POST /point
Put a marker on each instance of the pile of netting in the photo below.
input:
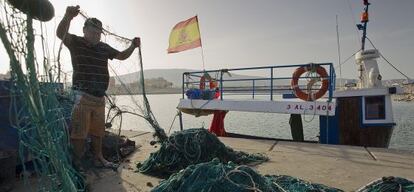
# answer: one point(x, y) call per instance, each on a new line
point(289, 183)
point(116, 147)
point(192, 146)
point(215, 176)
point(389, 184)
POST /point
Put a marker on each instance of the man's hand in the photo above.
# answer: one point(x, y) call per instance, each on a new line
point(63, 27)
point(72, 11)
point(136, 42)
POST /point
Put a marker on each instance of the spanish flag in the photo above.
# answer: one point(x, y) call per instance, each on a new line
point(185, 35)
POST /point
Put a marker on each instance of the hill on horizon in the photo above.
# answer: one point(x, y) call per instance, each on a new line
point(171, 75)
point(174, 76)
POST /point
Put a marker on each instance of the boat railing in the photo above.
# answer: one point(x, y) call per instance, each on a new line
point(275, 81)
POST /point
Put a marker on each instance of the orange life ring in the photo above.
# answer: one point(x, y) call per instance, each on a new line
point(313, 96)
point(212, 83)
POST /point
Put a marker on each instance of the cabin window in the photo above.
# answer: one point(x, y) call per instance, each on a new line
point(374, 107)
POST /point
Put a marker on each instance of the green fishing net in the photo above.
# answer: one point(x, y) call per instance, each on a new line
point(192, 146)
point(38, 115)
point(289, 183)
point(389, 184)
point(215, 176)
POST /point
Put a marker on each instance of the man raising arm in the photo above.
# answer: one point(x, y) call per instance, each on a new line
point(90, 80)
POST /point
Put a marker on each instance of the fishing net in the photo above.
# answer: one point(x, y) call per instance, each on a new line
point(39, 117)
point(389, 184)
point(216, 176)
point(41, 106)
point(192, 146)
point(116, 148)
point(289, 183)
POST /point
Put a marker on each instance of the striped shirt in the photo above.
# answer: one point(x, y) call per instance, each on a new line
point(90, 65)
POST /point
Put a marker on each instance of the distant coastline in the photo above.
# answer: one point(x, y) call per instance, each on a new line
point(152, 91)
point(407, 97)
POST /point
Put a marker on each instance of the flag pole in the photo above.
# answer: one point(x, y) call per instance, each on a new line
point(202, 57)
point(339, 53)
point(201, 44)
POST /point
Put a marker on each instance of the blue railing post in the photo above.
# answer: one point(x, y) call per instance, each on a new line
point(331, 82)
point(221, 84)
point(271, 83)
point(183, 82)
point(253, 87)
point(180, 115)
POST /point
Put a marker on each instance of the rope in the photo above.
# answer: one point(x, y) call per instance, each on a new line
point(347, 59)
point(172, 123)
point(382, 56)
point(313, 79)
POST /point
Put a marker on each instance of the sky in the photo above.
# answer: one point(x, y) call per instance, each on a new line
point(248, 33)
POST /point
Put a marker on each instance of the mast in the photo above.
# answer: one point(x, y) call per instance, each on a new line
point(369, 76)
point(364, 21)
point(339, 52)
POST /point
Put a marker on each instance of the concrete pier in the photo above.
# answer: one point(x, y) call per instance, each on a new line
point(344, 167)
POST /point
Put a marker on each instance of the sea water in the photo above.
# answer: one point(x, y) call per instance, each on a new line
point(272, 125)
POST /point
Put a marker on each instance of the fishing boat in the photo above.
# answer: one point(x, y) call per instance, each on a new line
point(359, 115)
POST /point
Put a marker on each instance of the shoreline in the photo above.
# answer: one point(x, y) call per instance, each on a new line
point(151, 91)
point(406, 97)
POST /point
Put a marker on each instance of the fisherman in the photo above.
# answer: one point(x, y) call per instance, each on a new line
point(90, 81)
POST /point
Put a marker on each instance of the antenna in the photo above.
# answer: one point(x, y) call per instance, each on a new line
point(339, 52)
point(364, 20)
point(363, 26)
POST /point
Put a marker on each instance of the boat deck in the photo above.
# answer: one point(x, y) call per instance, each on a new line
point(344, 167)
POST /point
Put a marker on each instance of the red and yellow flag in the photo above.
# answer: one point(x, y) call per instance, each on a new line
point(185, 35)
